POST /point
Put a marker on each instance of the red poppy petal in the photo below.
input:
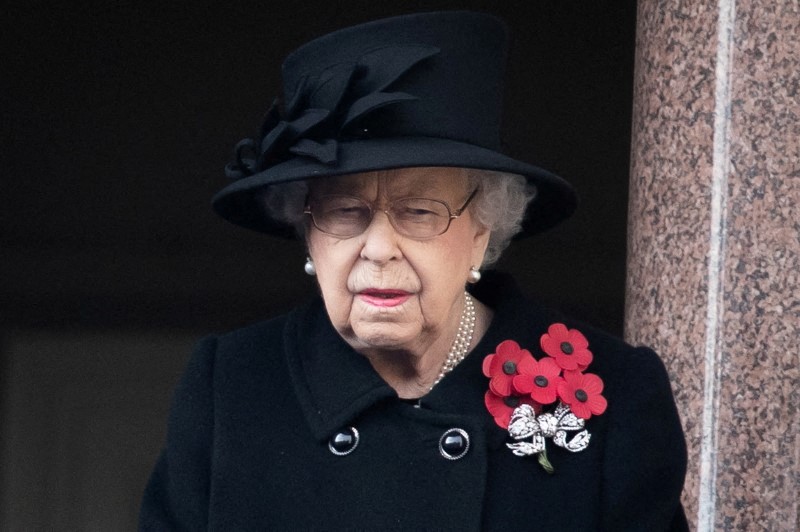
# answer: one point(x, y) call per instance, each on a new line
point(549, 367)
point(592, 384)
point(566, 392)
point(501, 385)
point(524, 354)
point(488, 399)
point(577, 339)
point(538, 395)
point(580, 378)
point(487, 365)
point(583, 356)
point(523, 383)
point(494, 403)
point(544, 396)
point(550, 345)
point(507, 348)
point(527, 366)
point(559, 332)
point(567, 362)
point(581, 410)
point(503, 420)
point(597, 404)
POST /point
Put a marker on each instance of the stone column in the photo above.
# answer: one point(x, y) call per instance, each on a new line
point(714, 246)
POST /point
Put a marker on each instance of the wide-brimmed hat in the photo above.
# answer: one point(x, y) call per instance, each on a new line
point(414, 90)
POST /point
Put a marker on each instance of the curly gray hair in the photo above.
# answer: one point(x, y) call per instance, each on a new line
point(499, 206)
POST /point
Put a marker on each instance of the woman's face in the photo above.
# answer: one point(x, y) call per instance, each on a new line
point(385, 291)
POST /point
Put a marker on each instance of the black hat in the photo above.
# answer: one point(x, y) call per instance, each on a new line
point(414, 90)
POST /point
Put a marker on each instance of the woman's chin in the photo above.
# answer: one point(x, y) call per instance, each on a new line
point(385, 336)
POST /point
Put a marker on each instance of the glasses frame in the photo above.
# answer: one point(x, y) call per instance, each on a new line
point(452, 215)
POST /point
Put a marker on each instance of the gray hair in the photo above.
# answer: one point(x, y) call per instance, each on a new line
point(499, 206)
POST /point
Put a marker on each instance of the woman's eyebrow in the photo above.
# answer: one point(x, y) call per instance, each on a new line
point(349, 187)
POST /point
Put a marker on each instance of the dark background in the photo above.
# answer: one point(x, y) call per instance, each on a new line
point(117, 119)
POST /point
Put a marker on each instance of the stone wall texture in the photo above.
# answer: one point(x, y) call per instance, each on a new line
point(714, 246)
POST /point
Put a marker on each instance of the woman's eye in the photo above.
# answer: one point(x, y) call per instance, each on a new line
point(343, 208)
point(419, 212)
point(415, 215)
point(348, 212)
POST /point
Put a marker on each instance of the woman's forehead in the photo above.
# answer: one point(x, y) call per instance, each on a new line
point(425, 181)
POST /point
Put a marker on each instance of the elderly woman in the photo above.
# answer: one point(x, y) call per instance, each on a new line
point(416, 392)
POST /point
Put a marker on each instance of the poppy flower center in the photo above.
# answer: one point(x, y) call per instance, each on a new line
point(511, 401)
point(581, 396)
point(540, 381)
point(509, 368)
point(566, 348)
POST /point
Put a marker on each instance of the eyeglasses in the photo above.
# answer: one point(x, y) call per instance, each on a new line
point(349, 216)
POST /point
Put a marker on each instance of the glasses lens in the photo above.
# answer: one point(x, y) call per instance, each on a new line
point(420, 217)
point(341, 215)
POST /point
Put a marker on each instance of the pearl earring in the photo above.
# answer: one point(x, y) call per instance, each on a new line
point(474, 275)
point(309, 267)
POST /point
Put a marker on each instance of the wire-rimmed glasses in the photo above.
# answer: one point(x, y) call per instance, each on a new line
point(348, 216)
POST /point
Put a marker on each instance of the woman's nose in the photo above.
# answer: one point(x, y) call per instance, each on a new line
point(380, 240)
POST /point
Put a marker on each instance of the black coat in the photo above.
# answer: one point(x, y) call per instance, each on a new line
point(247, 446)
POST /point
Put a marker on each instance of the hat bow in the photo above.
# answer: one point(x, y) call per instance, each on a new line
point(327, 107)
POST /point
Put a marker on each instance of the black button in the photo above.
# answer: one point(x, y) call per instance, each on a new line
point(344, 442)
point(454, 444)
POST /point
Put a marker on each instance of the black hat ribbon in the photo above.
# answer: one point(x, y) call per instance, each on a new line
point(326, 107)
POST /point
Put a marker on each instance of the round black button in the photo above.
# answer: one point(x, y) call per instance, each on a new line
point(344, 442)
point(454, 444)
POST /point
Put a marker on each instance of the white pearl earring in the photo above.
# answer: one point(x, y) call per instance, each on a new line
point(474, 275)
point(309, 267)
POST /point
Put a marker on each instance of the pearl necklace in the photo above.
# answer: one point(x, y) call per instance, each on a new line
point(462, 341)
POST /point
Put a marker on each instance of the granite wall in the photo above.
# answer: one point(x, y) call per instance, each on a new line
point(714, 246)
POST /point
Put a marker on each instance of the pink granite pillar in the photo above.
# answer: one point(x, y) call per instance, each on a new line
point(714, 246)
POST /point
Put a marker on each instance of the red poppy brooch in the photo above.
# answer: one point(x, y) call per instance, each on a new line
point(545, 398)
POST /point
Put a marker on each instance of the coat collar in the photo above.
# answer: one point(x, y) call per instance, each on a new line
point(334, 384)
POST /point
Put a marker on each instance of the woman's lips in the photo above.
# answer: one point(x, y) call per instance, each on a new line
point(383, 298)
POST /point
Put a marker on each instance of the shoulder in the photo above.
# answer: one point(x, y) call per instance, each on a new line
point(635, 380)
point(629, 372)
point(222, 359)
point(218, 357)
point(613, 353)
point(306, 313)
point(644, 447)
point(526, 320)
point(243, 372)
point(253, 334)
point(265, 335)
point(637, 440)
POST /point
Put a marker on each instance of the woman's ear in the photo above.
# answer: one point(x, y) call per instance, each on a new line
point(480, 241)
